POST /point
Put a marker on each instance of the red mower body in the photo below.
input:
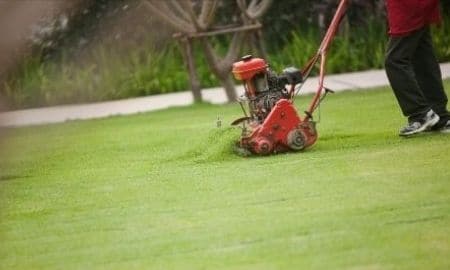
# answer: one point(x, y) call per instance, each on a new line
point(281, 131)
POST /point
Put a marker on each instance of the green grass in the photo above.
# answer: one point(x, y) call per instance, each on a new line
point(162, 190)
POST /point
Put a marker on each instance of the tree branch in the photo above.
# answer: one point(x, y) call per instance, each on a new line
point(233, 51)
point(257, 9)
point(180, 9)
point(160, 9)
point(187, 4)
point(242, 4)
point(211, 56)
point(253, 4)
point(207, 13)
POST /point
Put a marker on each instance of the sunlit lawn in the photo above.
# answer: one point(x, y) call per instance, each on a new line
point(163, 190)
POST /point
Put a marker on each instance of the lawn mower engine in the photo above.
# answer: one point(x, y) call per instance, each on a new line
point(272, 124)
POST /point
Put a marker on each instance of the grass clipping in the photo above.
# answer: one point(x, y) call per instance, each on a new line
point(217, 146)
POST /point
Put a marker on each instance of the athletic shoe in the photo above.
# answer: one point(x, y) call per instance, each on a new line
point(430, 119)
point(445, 128)
point(442, 126)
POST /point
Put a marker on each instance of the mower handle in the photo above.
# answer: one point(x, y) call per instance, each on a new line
point(322, 55)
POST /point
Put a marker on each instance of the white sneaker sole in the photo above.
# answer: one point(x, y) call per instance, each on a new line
point(433, 121)
point(445, 130)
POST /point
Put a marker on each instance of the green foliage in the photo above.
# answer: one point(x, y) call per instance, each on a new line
point(441, 39)
point(163, 190)
point(353, 49)
point(300, 48)
point(116, 73)
point(109, 74)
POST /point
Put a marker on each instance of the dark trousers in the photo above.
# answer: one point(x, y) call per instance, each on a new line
point(415, 75)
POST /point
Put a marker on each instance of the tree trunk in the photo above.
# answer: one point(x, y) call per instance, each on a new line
point(221, 69)
point(228, 85)
point(182, 16)
point(257, 44)
point(186, 45)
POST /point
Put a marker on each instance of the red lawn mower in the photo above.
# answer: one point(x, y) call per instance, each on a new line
point(272, 124)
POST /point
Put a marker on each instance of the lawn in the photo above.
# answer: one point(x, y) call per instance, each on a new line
point(163, 190)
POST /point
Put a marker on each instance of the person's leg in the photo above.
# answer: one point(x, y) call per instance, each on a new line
point(428, 74)
point(401, 75)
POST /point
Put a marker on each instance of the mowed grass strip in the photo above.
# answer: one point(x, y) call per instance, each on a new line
point(163, 190)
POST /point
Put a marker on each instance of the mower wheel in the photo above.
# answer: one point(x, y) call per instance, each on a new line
point(296, 140)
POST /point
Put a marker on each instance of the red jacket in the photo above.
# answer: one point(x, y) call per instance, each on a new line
point(405, 16)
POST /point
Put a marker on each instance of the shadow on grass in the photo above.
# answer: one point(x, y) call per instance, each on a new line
point(11, 177)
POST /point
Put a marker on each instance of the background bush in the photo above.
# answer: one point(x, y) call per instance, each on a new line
point(89, 63)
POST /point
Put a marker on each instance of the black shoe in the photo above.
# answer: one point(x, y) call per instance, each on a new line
point(442, 126)
point(445, 128)
point(430, 119)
